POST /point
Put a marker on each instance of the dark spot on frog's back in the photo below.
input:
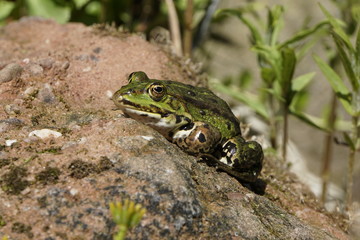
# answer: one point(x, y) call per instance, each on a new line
point(202, 112)
point(178, 119)
point(187, 126)
point(228, 125)
point(202, 138)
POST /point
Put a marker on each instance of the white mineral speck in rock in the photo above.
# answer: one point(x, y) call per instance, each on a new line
point(73, 191)
point(10, 142)
point(147, 137)
point(109, 94)
point(87, 69)
point(45, 133)
point(30, 91)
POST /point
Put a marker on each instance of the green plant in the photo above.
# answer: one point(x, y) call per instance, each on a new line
point(349, 98)
point(282, 93)
point(126, 215)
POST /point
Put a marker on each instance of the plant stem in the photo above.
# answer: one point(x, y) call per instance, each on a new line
point(285, 132)
point(187, 41)
point(174, 27)
point(325, 173)
point(350, 179)
point(121, 234)
point(353, 149)
point(272, 123)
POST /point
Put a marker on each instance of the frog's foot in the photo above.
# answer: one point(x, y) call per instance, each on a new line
point(196, 137)
point(242, 159)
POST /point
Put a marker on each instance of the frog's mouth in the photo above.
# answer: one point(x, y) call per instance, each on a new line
point(159, 119)
point(128, 106)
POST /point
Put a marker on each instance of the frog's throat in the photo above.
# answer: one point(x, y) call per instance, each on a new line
point(157, 120)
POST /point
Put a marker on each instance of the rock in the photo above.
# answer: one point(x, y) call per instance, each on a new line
point(46, 63)
point(45, 133)
point(35, 70)
point(12, 109)
point(61, 187)
point(10, 142)
point(46, 94)
point(10, 72)
point(10, 123)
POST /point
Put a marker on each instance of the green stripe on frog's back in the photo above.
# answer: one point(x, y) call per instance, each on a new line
point(204, 105)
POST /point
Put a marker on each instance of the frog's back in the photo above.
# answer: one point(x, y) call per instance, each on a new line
point(205, 106)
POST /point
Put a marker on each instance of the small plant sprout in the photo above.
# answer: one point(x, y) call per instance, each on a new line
point(126, 215)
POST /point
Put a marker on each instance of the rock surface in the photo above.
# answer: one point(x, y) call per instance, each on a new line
point(60, 188)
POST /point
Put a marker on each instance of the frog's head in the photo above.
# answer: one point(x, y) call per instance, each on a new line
point(148, 100)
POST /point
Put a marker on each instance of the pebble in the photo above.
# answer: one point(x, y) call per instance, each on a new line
point(10, 142)
point(30, 91)
point(109, 94)
point(12, 109)
point(65, 65)
point(46, 63)
point(35, 70)
point(46, 94)
point(45, 133)
point(87, 69)
point(10, 72)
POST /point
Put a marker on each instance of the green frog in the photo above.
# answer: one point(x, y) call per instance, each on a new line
point(193, 118)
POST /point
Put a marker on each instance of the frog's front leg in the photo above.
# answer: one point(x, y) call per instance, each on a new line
point(241, 158)
point(196, 138)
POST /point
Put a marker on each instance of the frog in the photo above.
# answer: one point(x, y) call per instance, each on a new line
point(195, 119)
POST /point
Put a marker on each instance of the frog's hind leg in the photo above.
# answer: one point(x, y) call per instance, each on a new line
point(241, 158)
point(197, 137)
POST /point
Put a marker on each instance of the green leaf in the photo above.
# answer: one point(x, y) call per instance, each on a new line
point(299, 101)
point(311, 120)
point(49, 9)
point(275, 23)
point(337, 28)
point(288, 67)
point(268, 75)
point(337, 84)
point(349, 141)
point(271, 56)
point(346, 62)
point(5, 9)
point(357, 54)
point(304, 34)
point(302, 81)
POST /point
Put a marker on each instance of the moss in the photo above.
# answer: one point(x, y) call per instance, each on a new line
point(54, 150)
point(80, 169)
point(4, 162)
point(2, 221)
point(35, 120)
point(42, 201)
point(19, 227)
point(12, 182)
point(48, 175)
point(104, 164)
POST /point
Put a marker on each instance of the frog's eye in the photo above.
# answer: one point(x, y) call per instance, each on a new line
point(157, 91)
